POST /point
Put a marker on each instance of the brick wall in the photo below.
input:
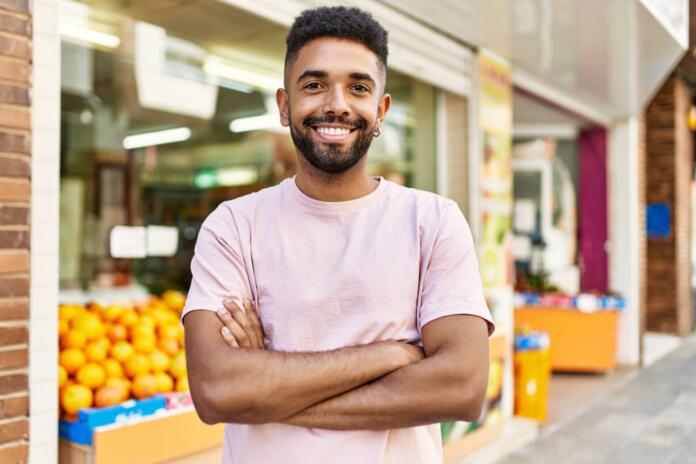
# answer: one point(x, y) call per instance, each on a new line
point(668, 180)
point(15, 187)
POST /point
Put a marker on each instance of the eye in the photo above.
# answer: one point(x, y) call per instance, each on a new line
point(312, 85)
point(360, 88)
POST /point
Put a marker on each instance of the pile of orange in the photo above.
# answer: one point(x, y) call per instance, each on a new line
point(111, 353)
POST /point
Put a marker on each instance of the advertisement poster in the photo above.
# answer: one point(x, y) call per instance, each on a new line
point(495, 238)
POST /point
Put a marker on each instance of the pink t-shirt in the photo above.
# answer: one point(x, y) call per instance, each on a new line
point(328, 275)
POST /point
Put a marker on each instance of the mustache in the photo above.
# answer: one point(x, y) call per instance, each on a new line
point(333, 119)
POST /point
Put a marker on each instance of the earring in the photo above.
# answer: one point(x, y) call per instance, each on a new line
point(376, 132)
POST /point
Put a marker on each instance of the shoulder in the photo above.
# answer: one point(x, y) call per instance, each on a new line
point(243, 207)
point(430, 207)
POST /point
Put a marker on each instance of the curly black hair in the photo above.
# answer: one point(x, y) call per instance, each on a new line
point(339, 22)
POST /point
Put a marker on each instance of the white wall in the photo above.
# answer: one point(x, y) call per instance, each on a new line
point(43, 297)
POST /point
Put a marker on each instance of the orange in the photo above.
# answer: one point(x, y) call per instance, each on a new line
point(117, 332)
point(168, 330)
point(68, 312)
point(168, 346)
point(62, 376)
point(174, 299)
point(123, 386)
point(142, 329)
point(91, 375)
point(144, 386)
point(138, 364)
point(72, 359)
point(113, 368)
point(73, 339)
point(165, 383)
point(178, 367)
point(113, 312)
point(148, 320)
point(122, 351)
point(107, 396)
point(95, 351)
point(160, 361)
point(75, 397)
point(182, 384)
point(144, 343)
point(63, 327)
point(129, 318)
point(90, 325)
point(104, 342)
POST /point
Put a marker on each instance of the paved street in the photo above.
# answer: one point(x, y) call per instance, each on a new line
point(650, 419)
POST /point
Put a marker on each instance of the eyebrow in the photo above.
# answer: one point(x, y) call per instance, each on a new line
point(358, 76)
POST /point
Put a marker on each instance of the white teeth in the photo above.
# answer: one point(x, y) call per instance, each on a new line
point(333, 131)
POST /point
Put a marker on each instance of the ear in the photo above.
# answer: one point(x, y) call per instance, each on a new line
point(282, 101)
point(383, 107)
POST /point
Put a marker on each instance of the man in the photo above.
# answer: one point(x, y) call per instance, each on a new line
point(344, 275)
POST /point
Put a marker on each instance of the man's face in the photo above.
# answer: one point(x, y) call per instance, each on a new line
point(333, 101)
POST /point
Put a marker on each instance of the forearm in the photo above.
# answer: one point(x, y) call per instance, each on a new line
point(422, 393)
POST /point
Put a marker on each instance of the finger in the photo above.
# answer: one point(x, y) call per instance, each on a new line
point(227, 336)
point(237, 331)
point(244, 322)
point(252, 312)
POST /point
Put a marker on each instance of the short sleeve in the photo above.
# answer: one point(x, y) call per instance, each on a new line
point(452, 282)
point(217, 267)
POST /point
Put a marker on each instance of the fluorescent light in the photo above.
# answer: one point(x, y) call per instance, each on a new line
point(236, 176)
point(265, 121)
point(156, 138)
point(258, 81)
point(89, 35)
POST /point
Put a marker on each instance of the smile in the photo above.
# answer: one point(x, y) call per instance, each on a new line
point(333, 133)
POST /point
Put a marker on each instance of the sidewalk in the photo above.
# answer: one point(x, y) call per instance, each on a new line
point(650, 419)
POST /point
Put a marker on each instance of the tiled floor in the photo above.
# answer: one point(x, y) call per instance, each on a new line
point(649, 418)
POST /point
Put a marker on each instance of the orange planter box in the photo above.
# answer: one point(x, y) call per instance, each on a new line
point(580, 342)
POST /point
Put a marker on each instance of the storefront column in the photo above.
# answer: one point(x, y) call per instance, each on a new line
point(43, 317)
point(626, 231)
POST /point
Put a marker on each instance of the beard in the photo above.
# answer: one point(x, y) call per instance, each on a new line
point(331, 159)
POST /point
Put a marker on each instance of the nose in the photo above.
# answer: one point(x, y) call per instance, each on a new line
point(335, 102)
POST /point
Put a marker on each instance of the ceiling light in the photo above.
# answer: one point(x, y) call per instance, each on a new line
point(89, 35)
point(156, 138)
point(265, 121)
point(256, 80)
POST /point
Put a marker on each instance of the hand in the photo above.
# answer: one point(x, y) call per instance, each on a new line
point(241, 328)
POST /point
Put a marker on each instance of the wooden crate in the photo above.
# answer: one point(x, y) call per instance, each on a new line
point(177, 437)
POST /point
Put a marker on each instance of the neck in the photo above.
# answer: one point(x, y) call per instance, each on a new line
point(322, 186)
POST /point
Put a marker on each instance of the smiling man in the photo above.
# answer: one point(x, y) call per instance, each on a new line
point(364, 323)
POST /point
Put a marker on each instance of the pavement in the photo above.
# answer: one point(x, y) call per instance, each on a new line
point(649, 419)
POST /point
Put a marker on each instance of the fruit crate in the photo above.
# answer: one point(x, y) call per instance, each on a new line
point(166, 436)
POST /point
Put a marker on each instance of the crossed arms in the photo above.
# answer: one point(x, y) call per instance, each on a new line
point(383, 385)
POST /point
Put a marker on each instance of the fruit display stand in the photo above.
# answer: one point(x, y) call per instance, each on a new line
point(167, 436)
point(581, 340)
point(490, 427)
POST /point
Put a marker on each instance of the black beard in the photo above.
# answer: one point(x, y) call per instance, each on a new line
point(332, 160)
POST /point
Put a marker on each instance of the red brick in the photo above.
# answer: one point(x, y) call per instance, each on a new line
point(15, 117)
point(14, 239)
point(13, 407)
point(13, 335)
point(13, 94)
point(14, 215)
point(15, 143)
point(14, 262)
point(17, 454)
point(14, 190)
point(14, 70)
point(13, 383)
point(13, 309)
point(14, 359)
point(14, 286)
point(13, 431)
point(15, 24)
point(13, 165)
point(20, 6)
point(15, 46)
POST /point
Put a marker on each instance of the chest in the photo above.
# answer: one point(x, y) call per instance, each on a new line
point(323, 281)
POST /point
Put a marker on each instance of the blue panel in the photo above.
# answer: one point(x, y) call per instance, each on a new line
point(658, 220)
